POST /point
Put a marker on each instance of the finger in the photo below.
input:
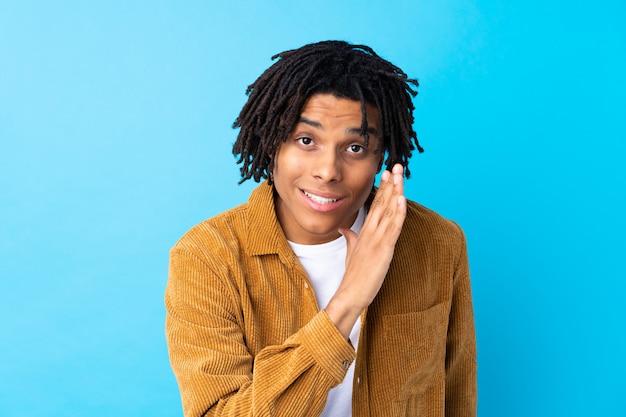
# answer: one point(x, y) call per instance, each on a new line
point(398, 179)
point(351, 239)
point(398, 192)
point(380, 204)
point(384, 179)
point(350, 236)
point(388, 211)
point(398, 169)
point(401, 215)
point(385, 201)
point(378, 197)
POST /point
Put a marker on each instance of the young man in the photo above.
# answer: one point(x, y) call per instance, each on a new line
point(323, 295)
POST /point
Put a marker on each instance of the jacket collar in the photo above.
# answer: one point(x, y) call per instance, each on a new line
point(265, 235)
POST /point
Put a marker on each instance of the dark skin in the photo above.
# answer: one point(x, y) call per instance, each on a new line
point(323, 174)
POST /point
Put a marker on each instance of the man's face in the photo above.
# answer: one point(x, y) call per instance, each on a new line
point(324, 172)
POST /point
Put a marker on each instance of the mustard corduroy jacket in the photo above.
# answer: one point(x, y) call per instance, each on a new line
point(247, 338)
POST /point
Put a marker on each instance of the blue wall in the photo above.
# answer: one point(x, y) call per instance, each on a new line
point(115, 138)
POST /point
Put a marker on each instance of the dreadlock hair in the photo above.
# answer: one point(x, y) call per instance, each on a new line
point(356, 72)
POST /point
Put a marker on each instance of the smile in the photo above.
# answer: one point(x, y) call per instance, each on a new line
point(320, 200)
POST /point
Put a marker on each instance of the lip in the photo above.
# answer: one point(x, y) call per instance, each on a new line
point(322, 207)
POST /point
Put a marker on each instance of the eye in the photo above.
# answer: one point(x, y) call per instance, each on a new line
point(356, 148)
point(305, 140)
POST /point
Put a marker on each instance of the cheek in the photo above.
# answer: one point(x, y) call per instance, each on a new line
point(365, 182)
point(283, 165)
point(287, 168)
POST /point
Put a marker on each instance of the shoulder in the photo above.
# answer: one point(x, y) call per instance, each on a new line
point(425, 225)
point(225, 231)
point(250, 228)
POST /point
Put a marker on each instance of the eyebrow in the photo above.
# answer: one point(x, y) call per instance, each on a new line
point(351, 130)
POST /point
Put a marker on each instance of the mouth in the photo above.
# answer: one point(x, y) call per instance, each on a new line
point(319, 199)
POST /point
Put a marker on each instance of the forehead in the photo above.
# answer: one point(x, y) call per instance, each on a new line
point(337, 109)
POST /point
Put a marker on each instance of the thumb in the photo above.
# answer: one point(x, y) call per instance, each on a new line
point(350, 236)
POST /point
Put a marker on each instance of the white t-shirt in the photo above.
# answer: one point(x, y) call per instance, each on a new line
point(325, 265)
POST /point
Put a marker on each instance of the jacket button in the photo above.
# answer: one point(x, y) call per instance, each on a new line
point(345, 364)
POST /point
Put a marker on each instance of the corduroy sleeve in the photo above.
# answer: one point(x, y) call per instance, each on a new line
point(461, 389)
point(216, 373)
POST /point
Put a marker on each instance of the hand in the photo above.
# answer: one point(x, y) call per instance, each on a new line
point(370, 252)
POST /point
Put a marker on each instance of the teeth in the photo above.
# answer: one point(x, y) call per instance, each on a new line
point(320, 200)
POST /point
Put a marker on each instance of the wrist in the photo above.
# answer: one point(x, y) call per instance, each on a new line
point(343, 315)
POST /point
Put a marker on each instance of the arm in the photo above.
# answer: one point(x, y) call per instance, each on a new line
point(370, 252)
point(461, 390)
point(216, 373)
point(213, 365)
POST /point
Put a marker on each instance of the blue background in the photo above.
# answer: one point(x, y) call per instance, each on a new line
point(115, 138)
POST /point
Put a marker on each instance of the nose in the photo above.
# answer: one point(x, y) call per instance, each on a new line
point(327, 167)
